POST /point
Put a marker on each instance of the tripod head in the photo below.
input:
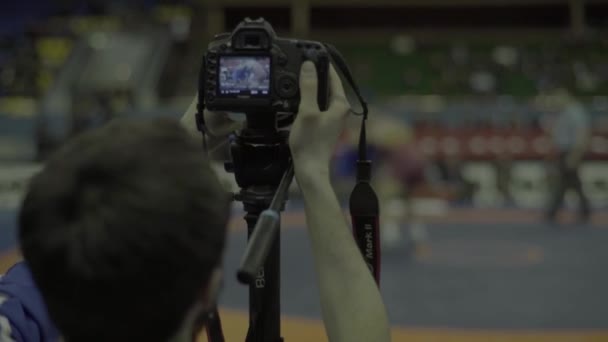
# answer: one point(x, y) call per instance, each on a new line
point(262, 167)
point(260, 153)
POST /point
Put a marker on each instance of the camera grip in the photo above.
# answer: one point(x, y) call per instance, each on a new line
point(322, 65)
point(321, 61)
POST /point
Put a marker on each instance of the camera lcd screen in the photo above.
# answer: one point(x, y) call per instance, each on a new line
point(244, 76)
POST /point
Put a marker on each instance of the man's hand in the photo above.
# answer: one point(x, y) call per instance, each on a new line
point(351, 304)
point(218, 124)
point(314, 133)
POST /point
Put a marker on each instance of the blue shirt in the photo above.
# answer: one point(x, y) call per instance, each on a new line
point(23, 315)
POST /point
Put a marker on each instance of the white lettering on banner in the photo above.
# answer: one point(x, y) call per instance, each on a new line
point(594, 176)
point(530, 186)
point(484, 176)
point(14, 179)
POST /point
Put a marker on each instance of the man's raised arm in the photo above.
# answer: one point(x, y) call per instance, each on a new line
point(352, 307)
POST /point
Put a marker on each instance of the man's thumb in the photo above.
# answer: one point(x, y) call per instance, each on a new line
point(308, 86)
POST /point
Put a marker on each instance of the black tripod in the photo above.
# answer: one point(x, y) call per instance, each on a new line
point(263, 170)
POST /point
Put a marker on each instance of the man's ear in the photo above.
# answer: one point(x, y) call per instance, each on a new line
point(213, 288)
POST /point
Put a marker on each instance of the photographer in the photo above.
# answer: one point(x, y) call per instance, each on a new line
point(124, 233)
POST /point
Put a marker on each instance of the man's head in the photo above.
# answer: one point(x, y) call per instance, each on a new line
point(124, 230)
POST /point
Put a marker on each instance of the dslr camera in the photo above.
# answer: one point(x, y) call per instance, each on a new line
point(251, 70)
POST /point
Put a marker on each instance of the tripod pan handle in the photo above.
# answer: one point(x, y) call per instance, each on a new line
point(262, 238)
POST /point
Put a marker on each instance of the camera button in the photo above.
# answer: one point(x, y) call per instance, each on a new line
point(310, 55)
point(282, 59)
point(279, 105)
point(287, 86)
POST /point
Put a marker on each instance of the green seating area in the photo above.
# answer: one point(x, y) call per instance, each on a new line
point(406, 67)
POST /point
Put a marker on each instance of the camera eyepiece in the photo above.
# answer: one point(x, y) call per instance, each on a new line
point(254, 39)
point(253, 35)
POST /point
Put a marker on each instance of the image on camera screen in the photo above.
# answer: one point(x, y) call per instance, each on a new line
point(244, 76)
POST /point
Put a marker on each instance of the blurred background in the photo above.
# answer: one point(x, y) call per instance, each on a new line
point(470, 101)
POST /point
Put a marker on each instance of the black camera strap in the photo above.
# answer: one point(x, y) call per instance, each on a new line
point(200, 108)
point(364, 207)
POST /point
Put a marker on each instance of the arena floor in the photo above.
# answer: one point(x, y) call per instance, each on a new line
point(482, 275)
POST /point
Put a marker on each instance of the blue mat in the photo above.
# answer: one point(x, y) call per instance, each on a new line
point(475, 276)
point(501, 276)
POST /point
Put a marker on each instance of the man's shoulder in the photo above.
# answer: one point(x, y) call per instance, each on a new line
point(23, 314)
point(18, 273)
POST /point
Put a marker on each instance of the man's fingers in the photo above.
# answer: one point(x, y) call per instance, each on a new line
point(188, 120)
point(308, 87)
point(338, 97)
point(219, 124)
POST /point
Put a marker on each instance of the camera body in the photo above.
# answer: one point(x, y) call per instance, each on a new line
point(251, 70)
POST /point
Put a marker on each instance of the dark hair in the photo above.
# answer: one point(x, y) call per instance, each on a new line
point(122, 230)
